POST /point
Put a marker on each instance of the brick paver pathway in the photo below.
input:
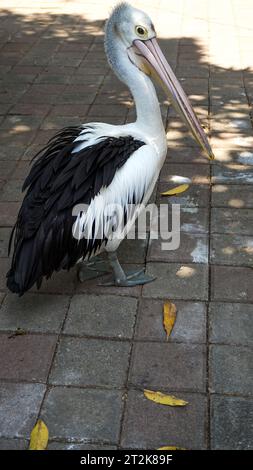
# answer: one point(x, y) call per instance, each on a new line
point(88, 352)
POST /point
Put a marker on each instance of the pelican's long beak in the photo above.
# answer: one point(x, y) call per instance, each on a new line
point(159, 68)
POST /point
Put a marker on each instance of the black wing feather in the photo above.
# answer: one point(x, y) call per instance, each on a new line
point(59, 179)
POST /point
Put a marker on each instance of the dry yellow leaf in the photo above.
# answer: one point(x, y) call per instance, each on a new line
point(175, 191)
point(171, 448)
point(169, 317)
point(163, 399)
point(39, 436)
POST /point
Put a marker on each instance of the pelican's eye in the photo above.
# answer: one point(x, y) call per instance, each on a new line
point(141, 31)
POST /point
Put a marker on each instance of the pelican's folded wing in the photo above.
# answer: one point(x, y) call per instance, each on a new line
point(60, 179)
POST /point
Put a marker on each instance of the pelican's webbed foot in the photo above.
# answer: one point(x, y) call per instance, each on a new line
point(133, 278)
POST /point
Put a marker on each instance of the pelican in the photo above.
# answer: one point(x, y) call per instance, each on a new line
point(99, 165)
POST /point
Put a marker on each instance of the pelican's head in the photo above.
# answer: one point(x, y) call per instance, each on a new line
point(136, 34)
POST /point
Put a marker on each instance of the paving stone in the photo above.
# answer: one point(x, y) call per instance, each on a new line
point(11, 153)
point(231, 369)
point(84, 414)
point(90, 362)
point(21, 123)
point(234, 174)
point(133, 251)
point(193, 249)
point(2, 296)
point(195, 196)
point(150, 426)
point(24, 109)
point(69, 110)
point(101, 315)
point(231, 284)
point(59, 122)
point(171, 365)
point(198, 174)
point(235, 196)
point(33, 312)
point(21, 171)
point(231, 323)
point(26, 357)
point(19, 408)
point(74, 98)
point(13, 444)
point(62, 282)
point(4, 240)
point(72, 446)
point(7, 168)
point(232, 250)
point(231, 423)
point(4, 267)
point(194, 220)
point(190, 325)
point(235, 221)
point(188, 281)
point(8, 213)
point(12, 191)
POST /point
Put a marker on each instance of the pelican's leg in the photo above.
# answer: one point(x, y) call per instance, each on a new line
point(93, 268)
point(126, 279)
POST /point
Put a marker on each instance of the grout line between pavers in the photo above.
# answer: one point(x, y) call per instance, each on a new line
point(135, 339)
point(132, 387)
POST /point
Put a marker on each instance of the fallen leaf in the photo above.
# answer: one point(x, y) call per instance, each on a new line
point(169, 317)
point(162, 399)
point(171, 448)
point(175, 191)
point(39, 436)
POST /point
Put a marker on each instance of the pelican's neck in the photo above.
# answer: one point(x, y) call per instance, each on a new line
point(147, 106)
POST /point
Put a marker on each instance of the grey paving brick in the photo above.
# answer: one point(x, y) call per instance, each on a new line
point(62, 282)
point(74, 446)
point(198, 174)
point(235, 196)
point(177, 281)
point(33, 312)
point(190, 325)
point(231, 323)
point(132, 251)
point(185, 154)
point(192, 219)
point(171, 365)
point(4, 240)
point(12, 191)
point(234, 174)
point(90, 362)
point(232, 249)
point(193, 249)
point(237, 221)
point(13, 444)
point(150, 426)
point(196, 196)
point(231, 423)
point(72, 413)
point(8, 213)
point(26, 357)
point(11, 152)
point(104, 315)
point(2, 295)
point(4, 267)
point(231, 283)
point(231, 369)
point(19, 408)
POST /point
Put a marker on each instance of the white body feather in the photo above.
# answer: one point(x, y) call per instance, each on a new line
point(136, 177)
